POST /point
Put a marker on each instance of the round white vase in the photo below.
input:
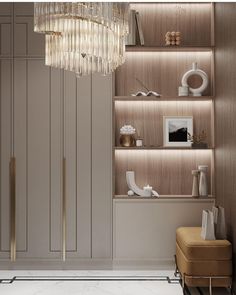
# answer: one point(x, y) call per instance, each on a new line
point(195, 71)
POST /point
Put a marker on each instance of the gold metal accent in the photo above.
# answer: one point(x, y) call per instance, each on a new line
point(13, 207)
point(64, 210)
point(184, 276)
point(203, 277)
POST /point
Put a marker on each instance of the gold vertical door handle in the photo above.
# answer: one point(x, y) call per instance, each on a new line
point(13, 207)
point(64, 210)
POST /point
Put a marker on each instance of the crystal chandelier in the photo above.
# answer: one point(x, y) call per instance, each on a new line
point(83, 37)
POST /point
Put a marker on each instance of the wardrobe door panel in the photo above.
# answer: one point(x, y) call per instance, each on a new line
point(84, 176)
point(20, 150)
point(5, 29)
point(5, 35)
point(6, 8)
point(5, 154)
point(38, 151)
point(26, 41)
point(70, 152)
point(24, 9)
point(38, 88)
point(56, 155)
point(101, 165)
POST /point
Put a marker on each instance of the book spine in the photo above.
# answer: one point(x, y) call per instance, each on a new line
point(140, 31)
point(131, 38)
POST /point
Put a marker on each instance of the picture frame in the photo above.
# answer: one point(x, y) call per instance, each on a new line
point(176, 130)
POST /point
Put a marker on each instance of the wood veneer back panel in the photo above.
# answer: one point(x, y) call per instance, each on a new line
point(192, 20)
point(147, 118)
point(225, 110)
point(159, 71)
point(167, 171)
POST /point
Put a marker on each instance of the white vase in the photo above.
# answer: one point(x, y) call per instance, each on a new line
point(203, 191)
point(195, 71)
point(195, 189)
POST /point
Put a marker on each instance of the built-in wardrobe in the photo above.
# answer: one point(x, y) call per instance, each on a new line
point(55, 155)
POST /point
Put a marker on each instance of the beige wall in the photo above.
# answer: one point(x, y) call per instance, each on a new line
point(226, 114)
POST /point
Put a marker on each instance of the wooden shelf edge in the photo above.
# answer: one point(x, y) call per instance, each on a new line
point(165, 197)
point(135, 48)
point(161, 148)
point(163, 98)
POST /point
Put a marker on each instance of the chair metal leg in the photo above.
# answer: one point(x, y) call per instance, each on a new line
point(176, 273)
point(231, 290)
point(183, 281)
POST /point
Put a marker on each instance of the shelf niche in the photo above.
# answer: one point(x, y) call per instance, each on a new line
point(167, 171)
point(161, 72)
point(193, 20)
point(147, 118)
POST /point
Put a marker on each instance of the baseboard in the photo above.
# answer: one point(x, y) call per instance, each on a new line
point(86, 264)
point(51, 264)
point(143, 264)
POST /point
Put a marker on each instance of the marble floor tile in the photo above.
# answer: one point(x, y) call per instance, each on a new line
point(97, 287)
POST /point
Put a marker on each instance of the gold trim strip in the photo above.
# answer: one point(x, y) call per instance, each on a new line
point(64, 210)
point(13, 207)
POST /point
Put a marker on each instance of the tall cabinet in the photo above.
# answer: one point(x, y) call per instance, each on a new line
point(57, 138)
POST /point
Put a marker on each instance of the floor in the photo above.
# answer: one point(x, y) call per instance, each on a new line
point(93, 283)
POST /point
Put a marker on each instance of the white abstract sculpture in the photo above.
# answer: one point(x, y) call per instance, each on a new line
point(195, 188)
point(146, 192)
point(195, 71)
point(203, 191)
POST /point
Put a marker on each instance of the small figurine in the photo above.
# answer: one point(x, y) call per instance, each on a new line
point(172, 38)
point(148, 93)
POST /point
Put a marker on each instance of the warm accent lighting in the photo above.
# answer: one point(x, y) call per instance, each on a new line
point(83, 37)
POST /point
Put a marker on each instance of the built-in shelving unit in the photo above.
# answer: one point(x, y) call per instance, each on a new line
point(161, 68)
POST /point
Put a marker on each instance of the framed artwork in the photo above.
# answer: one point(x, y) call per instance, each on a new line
point(176, 131)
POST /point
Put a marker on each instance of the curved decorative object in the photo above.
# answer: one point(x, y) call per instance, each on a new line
point(155, 193)
point(130, 178)
point(195, 71)
point(130, 193)
point(133, 186)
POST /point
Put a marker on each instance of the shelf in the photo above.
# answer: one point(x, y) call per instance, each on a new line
point(131, 48)
point(164, 197)
point(159, 148)
point(163, 98)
